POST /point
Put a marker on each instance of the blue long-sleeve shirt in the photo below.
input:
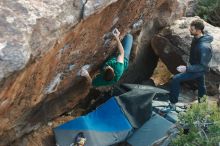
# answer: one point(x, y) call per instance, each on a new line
point(200, 54)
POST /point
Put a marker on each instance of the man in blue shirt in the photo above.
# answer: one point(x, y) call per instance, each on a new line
point(200, 56)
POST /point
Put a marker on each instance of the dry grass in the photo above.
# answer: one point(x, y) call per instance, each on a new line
point(161, 74)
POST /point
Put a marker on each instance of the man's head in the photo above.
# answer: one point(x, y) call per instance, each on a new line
point(196, 27)
point(108, 73)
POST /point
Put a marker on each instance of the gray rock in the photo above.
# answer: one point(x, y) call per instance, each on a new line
point(30, 28)
point(92, 6)
point(190, 10)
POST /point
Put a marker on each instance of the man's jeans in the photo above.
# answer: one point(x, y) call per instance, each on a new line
point(178, 78)
point(127, 45)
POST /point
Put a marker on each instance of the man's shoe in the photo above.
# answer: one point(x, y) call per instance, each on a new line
point(170, 107)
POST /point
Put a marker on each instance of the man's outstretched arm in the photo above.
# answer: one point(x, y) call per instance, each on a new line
point(120, 57)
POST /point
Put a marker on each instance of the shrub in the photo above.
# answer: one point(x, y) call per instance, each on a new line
point(209, 10)
point(201, 126)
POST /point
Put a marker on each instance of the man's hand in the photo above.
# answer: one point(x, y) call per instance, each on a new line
point(120, 57)
point(181, 68)
point(116, 33)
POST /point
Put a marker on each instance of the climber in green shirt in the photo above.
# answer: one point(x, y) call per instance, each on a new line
point(114, 68)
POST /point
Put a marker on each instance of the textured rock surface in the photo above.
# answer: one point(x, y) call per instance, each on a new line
point(191, 7)
point(172, 44)
point(30, 28)
point(44, 44)
point(163, 14)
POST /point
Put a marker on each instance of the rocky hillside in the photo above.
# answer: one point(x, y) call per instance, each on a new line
point(44, 44)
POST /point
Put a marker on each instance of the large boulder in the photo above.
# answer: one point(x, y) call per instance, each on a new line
point(172, 45)
point(164, 14)
point(30, 28)
point(190, 10)
point(44, 44)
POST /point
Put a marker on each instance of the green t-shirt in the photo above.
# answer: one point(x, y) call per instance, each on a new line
point(119, 69)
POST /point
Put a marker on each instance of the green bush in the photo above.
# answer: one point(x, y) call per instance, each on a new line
point(209, 10)
point(201, 126)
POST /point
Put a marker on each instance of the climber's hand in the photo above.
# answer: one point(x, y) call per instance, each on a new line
point(116, 33)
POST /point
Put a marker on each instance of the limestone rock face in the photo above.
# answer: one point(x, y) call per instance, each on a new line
point(44, 44)
point(191, 7)
point(172, 45)
point(30, 28)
